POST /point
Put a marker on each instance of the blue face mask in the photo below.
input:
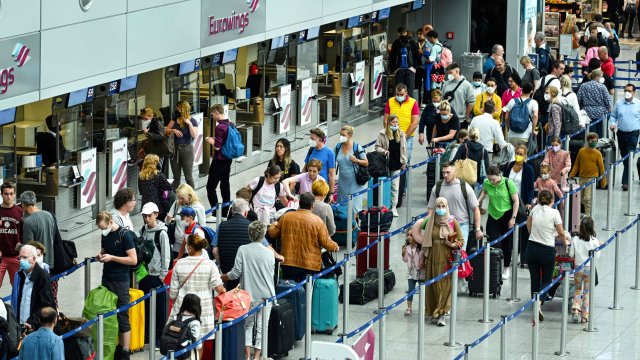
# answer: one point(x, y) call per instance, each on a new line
point(477, 83)
point(393, 128)
point(441, 212)
point(24, 264)
point(444, 117)
point(400, 98)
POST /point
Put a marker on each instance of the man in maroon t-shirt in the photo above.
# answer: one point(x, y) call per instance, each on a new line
point(10, 232)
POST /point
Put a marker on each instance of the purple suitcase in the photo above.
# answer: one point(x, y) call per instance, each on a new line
point(574, 205)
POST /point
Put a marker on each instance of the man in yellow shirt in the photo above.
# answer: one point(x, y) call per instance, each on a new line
point(488, 94)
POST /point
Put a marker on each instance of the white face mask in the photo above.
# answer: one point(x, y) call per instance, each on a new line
point(342, 139)
point(312, 143)
point(106, 232)
point(547, 97)
point(544, 176)
point(144, 124)
point(450, 77)
point(436, 104)
point(628, 95)
point(601, 80)
point(490, 90)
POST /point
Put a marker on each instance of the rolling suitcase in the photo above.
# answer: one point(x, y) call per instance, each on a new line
point(608, 149)
point(233, 342)
point(281, 329)
point(389, 278)
point(366, 261)
point(340, 218)
point(372, 194)
point(431, 178)
point(476, 280)
point(297, 299)
point(136, 320)
point(574, 204)
point(324, 313)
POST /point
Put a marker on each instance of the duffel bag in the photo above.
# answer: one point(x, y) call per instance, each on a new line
point(375, 219)
point(389, 278)
point(361, 290)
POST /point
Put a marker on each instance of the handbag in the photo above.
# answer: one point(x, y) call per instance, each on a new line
point(467, 169)
point(171, 226)
point(362, 173)
point(233, 304)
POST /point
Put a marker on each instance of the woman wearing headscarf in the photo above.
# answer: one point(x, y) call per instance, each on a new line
point(439, 235)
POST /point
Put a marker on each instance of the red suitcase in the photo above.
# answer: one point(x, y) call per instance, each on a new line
point(574, 205)
point(368, 261)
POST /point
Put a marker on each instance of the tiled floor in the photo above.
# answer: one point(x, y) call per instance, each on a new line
point(617, 334)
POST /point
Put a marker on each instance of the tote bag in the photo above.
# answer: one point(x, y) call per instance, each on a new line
point(467, 169)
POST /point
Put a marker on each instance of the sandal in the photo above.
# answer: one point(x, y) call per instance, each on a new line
point(408, 312)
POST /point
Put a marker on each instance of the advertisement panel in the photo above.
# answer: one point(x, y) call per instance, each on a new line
point(230, 20)
point(118, 166)
point(376, 77)
point(19, 65)
point(358, 74)
point(198, 144)
point(306, 101)
point(364, 346)
point(284, 98)
point(88, 166)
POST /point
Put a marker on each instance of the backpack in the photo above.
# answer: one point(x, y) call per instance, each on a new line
point(405, 56)
point(233, 146)
point(519, 117)
point(570, 119)
point(10, 333)
point(378, 164)
point(613, 45)
point(138, 243)
point(210, 235)
point(176, 336)
point(463, 188)
point(259, 186)
point(149, 247)
point(543, 105)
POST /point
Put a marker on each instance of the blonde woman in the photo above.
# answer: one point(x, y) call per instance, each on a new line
point(152, 184)
point(153, 128)
point(447, 124)
point(570, 27)
point(184, 129)
point(392, 142)
point(185, 196)
point(349, 155)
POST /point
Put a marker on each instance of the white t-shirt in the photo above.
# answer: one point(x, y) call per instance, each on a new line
point(266, 196)
point(555, 82)
point(580, 249)
point(532, 106)
point(543, 225)
point(489, 130)
point(516, 177)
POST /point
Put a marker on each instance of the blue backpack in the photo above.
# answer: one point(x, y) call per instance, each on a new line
point(209, 234)
point(233, 146)
point(519, 116)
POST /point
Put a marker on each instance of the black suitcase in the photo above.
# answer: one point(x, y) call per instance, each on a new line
point(233, 341)
point(476, 280)
point(607, 148)
point(281, 329)
point(78, 347)
point(431, 178)
point(361, 290)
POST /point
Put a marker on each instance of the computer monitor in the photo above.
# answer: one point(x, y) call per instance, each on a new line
point(230, 56)
point(187, 67)
point(277, 42)
point(7, 116)
point(313, 33)
point(216, 59)
point(77, 97)
point(353, 22)
point(417, 4)
point(384, 13)
point(129, 83)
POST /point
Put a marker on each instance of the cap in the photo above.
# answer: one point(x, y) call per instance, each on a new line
point(188, 211)
point(149, 208)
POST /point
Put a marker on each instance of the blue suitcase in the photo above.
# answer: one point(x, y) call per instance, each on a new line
point(296, 298)
point(340, 217)
point(372, 195)
point(233, 342)
point(324, 312)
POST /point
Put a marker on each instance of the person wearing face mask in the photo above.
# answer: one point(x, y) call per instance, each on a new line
point(32, 289)
point(501, 72)
point(489, 131)
point(545, 182)
point(185, 197)
point(503, 210)
point(624, 121)
point(594, 99)
point(554, 122)
point(326, 156)
point(152, 184)
point(488, 95)
point(478, 86)
point(559, 162)
point(40, 258)
point(447, 124)
point(191, 227)
point(428, 117)
point(392, 142)
point(11, 233)
point(184, 129)
point(118, 254)
point(589, 164)
point(349, 155)
point(156, 143)
point(459, 92)
point(531, 74)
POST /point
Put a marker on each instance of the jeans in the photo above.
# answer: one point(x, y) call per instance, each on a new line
point(464, 229)
point(541, 259)
point(403, 177)
point(260, 328)
point(627, 142)
point(182, 160)
point(409, 148)
point(628, 15)
point(407, 77)
point(219, 172)
point(411, 285)
point(146, 284)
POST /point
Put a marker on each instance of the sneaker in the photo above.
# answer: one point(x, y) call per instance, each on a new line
point(211, 219)
point(408, 312)
point(575, 317)
point(441, 321)
point(395, 212)
point(506, 273)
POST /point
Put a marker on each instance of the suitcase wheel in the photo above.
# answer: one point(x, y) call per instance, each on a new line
point(329, 332)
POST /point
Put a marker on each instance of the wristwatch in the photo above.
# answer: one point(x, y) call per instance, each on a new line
point(478, 229)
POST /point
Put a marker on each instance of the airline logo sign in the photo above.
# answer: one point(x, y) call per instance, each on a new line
point(226, 20)
point(19, 66)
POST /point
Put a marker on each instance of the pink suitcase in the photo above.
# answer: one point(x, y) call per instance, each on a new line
point(574, 205)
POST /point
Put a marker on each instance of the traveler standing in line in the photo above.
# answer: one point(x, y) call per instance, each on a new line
point(531, 74)
point(472, 149)
point(579, 250)
point(349, 156)
point(152, 184)
point(184, 129)
point(413, 256)
point(191, 312)
point(478, 86)
point(118, 254)
point(630, 9)
point(570, 27)
point(319, 151)
point(501, 73)
point(489, 131)
point(282, 158)
point(46, 143)
point(401, 59)
point(459, 93)
point(543, 223)
point(568, 94)
point(589, 165)
point(447, 125)
point(220, 169)
point(594, 98)
point(489, 94)
point(266, 190)
point(513, 91)
point(625, 121)
point(191, 227)
point(554, 122)
point(521, 116)
point(11, 232)
point(392, 142)
point(428, 117)
point(305, 180)
point(434, 234)
point(155, 231)
point(503, 209)
point(185, 196)
point(558, 160)
point(254, 265)
point(124, 201)
point(544, 52)
point(33, 290)
point(44, 343)
point(322, 209)
point(232, 234)
point(497, 51)
point(38, 225)
point(197, 275)
point(157, 142)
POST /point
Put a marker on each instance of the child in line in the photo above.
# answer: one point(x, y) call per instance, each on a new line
point(545, 182)
point(581, 245)
point(589, 165)
point(413, 255)
point(190, 311)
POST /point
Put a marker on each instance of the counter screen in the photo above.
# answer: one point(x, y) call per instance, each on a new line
point(129, 83)
point(7, 116)
point(384, 13)
point(353, 22)
point(216, 59)
point(188, 67)
point(277, 42)
point(417, 4)
point(313, 33)
point(230, 56)
point(77, 97)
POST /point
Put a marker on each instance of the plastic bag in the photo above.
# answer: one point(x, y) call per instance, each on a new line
point(101, 301)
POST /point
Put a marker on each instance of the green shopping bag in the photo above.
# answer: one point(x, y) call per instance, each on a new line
point(101, 301)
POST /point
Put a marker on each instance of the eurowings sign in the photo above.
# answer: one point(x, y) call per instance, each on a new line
point(229, 20)
point(19, 65)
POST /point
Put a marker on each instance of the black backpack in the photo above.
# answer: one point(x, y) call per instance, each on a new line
point(404, 59)
point(570, 119)
point(176, 336)
point(538, 96)
point(258, 187)
point(10, 331)
point(378, 164)
point(613, 45)
point(138, 243)
point(147, 247)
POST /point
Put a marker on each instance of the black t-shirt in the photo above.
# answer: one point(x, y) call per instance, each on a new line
point(117, 244)
point(394, 155)
point(294, 169)
point(443, 129)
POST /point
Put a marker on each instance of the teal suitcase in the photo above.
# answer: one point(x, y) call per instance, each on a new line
point(324, 313)
point(372, 195)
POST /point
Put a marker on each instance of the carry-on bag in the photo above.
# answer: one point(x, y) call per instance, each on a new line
point(297, 299)
point(389, 278)
point(476, 280)
point(373, 193)
point(233, 341)
point(369, 258)
point(574, 204)
point(324, 313)
point(136, 320)
point(361, 290)
point(281, 329)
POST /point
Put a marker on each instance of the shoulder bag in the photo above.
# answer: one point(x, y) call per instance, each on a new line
point(362, 173)
point(232, 304)
point(467, 169)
